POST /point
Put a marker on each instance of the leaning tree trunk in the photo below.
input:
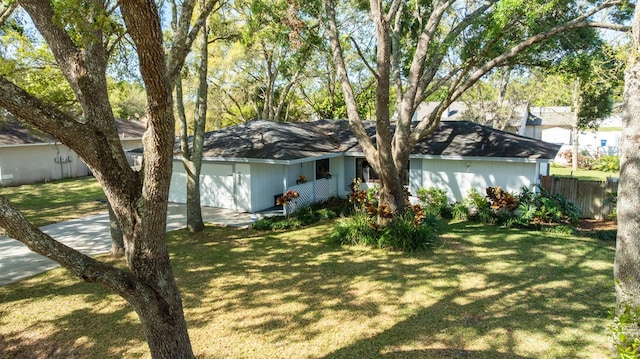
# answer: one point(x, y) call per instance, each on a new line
point(627, 259)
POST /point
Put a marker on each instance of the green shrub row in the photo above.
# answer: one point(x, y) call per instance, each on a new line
point(528, 209)
point(304, 217)
point(403, 232)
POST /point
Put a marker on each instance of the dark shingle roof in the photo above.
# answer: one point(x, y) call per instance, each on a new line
point(13, 132)
point(463, 138)
point(265, 140)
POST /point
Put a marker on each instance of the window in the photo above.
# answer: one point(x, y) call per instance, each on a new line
point(364, 171)
point(367, 174)
point(322, 169)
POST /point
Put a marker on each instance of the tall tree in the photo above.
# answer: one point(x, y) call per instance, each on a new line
point(192, 153)
point(78, 35)
point(444, 46)
point(627, 259)
point(595, 75)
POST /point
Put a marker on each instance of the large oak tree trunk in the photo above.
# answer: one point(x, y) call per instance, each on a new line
point(138, 199)
point(627, 259)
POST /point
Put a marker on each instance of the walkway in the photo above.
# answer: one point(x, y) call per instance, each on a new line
point(91, 236)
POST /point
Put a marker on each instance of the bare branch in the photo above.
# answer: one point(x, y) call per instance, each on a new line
point(185, 36)
point(341, 71)
point(393, 10)
point(430, 72)
point(610, 26)
point(355, 44)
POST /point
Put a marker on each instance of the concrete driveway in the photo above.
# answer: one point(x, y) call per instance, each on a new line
point(91, 236)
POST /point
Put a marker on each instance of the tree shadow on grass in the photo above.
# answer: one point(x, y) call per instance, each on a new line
point(480, 293)
point(490, 292)
point(82, 333)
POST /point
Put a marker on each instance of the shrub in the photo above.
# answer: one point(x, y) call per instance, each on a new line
point(403, 233)
point(357, 229)
point(607, 164)
point(501, 199)
point(561, 229)
point(409, 232)
point(303, 217)
point(584, 159)
point(479, 207)
point(626, 332)
point(276, 223)
point(535, 209)
point(434, 200)
point(460, 211)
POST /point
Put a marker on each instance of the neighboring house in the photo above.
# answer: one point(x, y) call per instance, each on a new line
point(554, 125)
point(476, 113)
point(246, 167)
point(452, 113)
point(29, 156)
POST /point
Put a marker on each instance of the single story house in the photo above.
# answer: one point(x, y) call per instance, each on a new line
point(31, 156)
point(247, 166)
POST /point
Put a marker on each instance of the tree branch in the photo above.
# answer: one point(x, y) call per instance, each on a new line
point(41, 115)
point(373, 71)
point(6, 12)
point(83, 266)
point(352, 110)
point(185, 36)
point(458, 88)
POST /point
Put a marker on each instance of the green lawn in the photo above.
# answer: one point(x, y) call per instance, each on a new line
point(481, 292)
point(590, 175)
point(46, 203)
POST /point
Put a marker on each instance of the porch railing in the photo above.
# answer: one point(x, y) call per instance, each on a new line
point(312, 192)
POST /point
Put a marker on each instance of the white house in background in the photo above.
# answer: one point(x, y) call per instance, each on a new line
point(28, 156)
point(554, 125)
point(246, 167)
point(452, 113)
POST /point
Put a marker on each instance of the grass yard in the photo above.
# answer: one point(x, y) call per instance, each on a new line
point(588, 175)
point(46, 203)
point(482, 292)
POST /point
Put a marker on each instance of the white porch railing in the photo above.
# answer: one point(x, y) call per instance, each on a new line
point(312, 192)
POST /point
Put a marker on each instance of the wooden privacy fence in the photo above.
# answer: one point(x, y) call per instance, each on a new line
point(589, 196)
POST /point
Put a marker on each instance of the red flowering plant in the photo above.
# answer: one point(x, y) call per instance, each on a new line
point(286, 198)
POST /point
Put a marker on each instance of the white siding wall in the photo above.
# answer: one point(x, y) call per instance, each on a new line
point(458, 177)
point(266, 183)
point(39, 163)
point(294, 171)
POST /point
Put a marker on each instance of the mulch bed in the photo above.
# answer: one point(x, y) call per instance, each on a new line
point(595, 225)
